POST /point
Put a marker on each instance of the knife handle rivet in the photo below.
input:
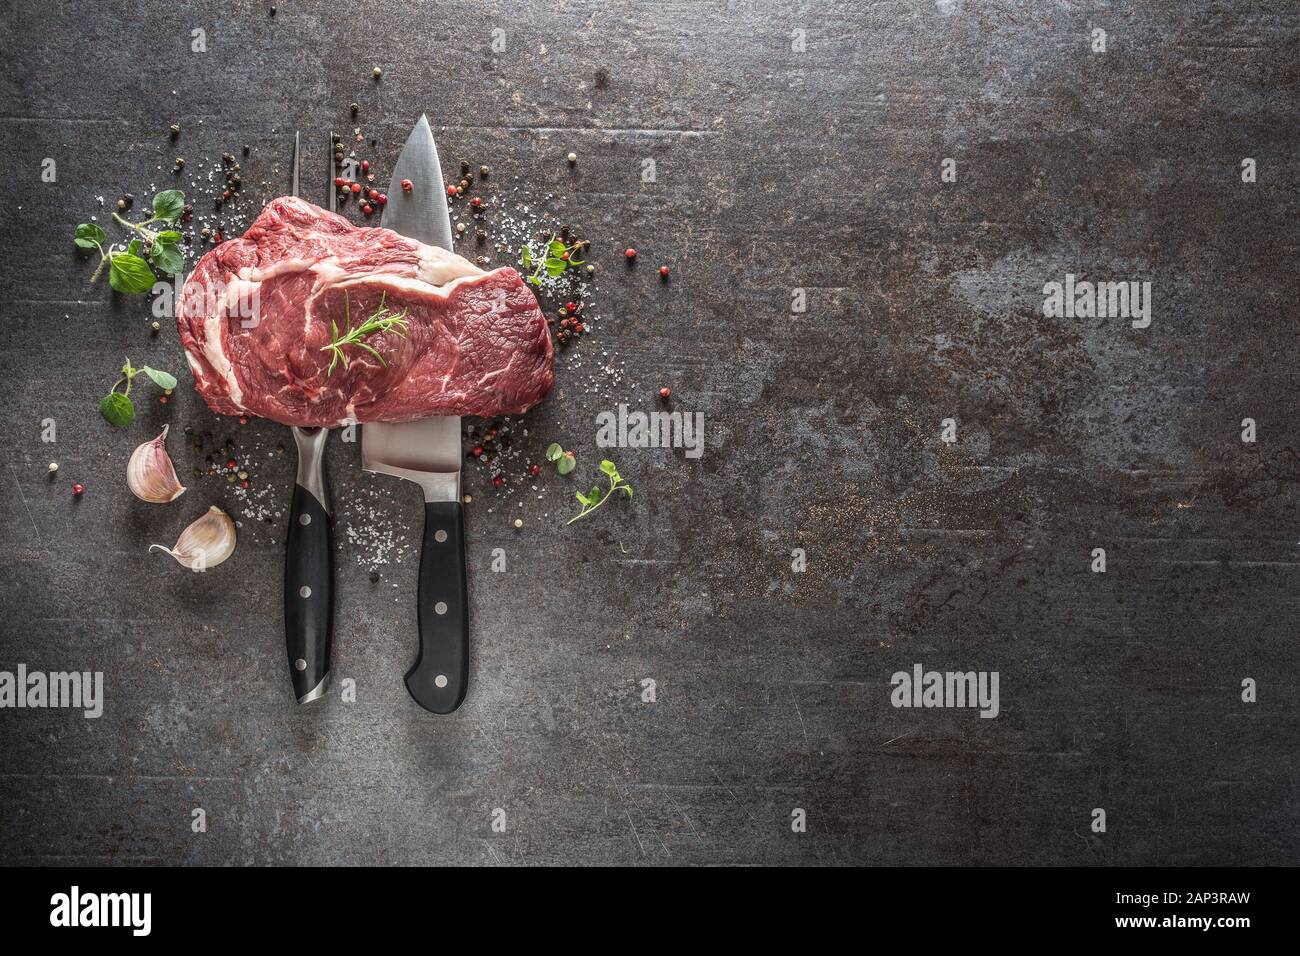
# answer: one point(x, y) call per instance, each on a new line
point(440, 680)
point(300, 664)
point(440, 536)
point(440, 607)
point(304, 519)
point(304, 591)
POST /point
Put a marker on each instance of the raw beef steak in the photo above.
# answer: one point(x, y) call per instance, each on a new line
point(257, 311)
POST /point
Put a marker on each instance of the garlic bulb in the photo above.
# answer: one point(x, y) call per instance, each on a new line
point(150, 474)
point(205, 543)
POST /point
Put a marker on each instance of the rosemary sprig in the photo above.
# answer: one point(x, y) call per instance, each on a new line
point(382, 319)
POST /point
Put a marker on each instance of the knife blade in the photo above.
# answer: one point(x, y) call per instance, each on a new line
point(428, 452)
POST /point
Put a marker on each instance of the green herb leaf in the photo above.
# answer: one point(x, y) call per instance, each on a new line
point(89, 236)
point(167, 256)
point(554, 451)
point(566, 464)
point(160, 378)
point(117, 409)
point(555, 266)
point(598, 496)
point(169, 204)
point(556, 249)
point(129, 274)
point(527, 257)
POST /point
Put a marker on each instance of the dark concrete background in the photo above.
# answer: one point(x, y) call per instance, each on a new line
point(776, 169)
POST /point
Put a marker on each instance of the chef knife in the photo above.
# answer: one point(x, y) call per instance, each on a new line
point(309, 557)
point(428, 453)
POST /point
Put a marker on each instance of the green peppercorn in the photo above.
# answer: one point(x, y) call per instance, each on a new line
point(175, 129)
point(180, 162)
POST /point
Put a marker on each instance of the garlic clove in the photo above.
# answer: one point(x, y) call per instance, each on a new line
point(150, 474)
point(207, 542)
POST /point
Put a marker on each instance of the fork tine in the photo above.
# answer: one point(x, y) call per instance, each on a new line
point(329, 187)
point(296, 161)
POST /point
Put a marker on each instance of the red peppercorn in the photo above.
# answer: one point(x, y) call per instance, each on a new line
point(232, 464)
point(476, 202)
point(476, 451)
point(77, 489)
point(382, 199)
point(451, 190)
point(373, 194)
point(579, 328)
point(631, 253)
point(225, 194)
point(366, 208)
point(665, 392)
point(340, 181)
point(498, 481)
point(534, 469)
point(356, 188)
point(217, 237)
point(571, 306)
point(663, 271)
point(365, 165)
point(243, 419)
point(162, 399)
point(244, 483)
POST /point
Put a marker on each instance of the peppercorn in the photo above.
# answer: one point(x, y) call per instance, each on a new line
point(407, 185)
point(340, 181)
point(155, 326)
point(175, 130)
point(373, 194)
point(630, 253)
point(243, 419)
point(476, 451)
point(377, 72)
point(121, 204)
point(534, 469)
point(382, 199)
point(54, 466)
point(247, 149)
point(355, 108)
point(483, 172)
point(231, 464)
point(573, 158)
point(180, 162)
point(77, 489)
point(365, 165)
point(476, 202)
point(663, 272)
point(243, 476)
point(519, 522)
point(367, 209)
point(460, 228)
point(665, 392)
point(498, 481)
point(355, 187)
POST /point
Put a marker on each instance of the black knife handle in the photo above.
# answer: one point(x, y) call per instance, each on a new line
point(308, 594)
point(440, 674)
